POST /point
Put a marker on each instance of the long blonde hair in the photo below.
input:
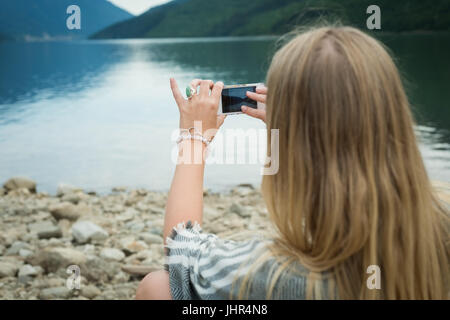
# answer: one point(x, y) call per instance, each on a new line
point(351, 190)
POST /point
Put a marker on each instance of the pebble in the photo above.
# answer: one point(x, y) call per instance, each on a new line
point(20, 183)
point(8, 269)
point(26, 273)
point(150, 238)
point(90, 291)
point(51, 259)
point(15, 248)
point(112, 254)
point(54, 293)
point(65, 210)
point(64, 188)
point(129, 224)
point(85, 231)
point(45, 230)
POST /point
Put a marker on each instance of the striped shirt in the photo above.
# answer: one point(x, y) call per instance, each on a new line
point(203, 266)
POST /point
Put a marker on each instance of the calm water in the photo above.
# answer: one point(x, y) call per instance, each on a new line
point(99, 114)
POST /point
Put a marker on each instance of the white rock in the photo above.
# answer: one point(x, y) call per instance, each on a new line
point(112, 254)
point(129, 214)
point(64, 188)
point(25, 253)
point(15, 247)
point(26, 272)
point(8, 269)
point(85, 231)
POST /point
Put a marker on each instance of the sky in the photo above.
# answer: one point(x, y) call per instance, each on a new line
point(137, 7)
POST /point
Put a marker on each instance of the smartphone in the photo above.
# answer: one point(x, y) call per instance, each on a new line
point(235, 96)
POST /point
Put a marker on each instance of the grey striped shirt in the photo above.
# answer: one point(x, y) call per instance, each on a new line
point(203, 266)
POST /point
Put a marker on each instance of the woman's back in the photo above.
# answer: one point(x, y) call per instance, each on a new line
point(351, 194)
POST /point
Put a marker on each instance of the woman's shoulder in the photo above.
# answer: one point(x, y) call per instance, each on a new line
point(204, 266)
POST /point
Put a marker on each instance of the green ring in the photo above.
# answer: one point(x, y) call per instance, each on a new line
point(188, 91)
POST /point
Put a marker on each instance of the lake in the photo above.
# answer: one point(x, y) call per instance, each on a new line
point(99, 114)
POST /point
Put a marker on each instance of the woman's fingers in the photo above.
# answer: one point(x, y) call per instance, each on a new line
point(195, 83)
point(205, 86)
point(261, 89)
point(217, 90)
point(176, 92)
point(255, 113)
point(257, 96)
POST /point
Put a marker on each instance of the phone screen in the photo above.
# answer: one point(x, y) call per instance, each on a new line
point(234, 98)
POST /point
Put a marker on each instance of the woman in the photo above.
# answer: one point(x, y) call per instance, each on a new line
point(351, 193)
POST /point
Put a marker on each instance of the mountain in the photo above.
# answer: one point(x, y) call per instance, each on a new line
point(196, 18)
point(24, 19)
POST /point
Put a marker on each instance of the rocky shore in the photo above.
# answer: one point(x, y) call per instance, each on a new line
point(112, 240)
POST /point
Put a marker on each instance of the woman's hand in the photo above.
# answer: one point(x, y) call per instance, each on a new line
point(201, 109)
point(185, 201)
point(259, 96)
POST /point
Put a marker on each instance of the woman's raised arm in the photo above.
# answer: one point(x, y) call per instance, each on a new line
point(185, 201)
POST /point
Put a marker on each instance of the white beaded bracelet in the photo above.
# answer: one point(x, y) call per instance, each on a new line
point(195, 136)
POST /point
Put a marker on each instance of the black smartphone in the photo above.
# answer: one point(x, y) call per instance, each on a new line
point(235, 96)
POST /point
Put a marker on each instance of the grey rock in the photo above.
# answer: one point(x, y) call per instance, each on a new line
point(131, 245)
point(98, 270)
point(20, 183)
point(243, 190)
point(150, 238)
point(135, 226)
point(26, 273)
point(65, 210)
point(15, 248)
point(236, 208)
point(45, 230)
point(85, 231)
point(51, 259)
point(112, 254)
point(239, 210)
point(211, 214)
point(54, 293)
point(24, 253)
point(90, 291)
point(137, 270)
point(129, 214)
point(119, 189)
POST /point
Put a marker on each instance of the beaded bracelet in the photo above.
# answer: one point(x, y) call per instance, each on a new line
point(196, 136)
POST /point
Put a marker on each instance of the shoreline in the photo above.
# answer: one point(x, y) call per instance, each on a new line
point(115, 239)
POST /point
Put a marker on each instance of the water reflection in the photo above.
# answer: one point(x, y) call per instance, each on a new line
point(100, 113)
